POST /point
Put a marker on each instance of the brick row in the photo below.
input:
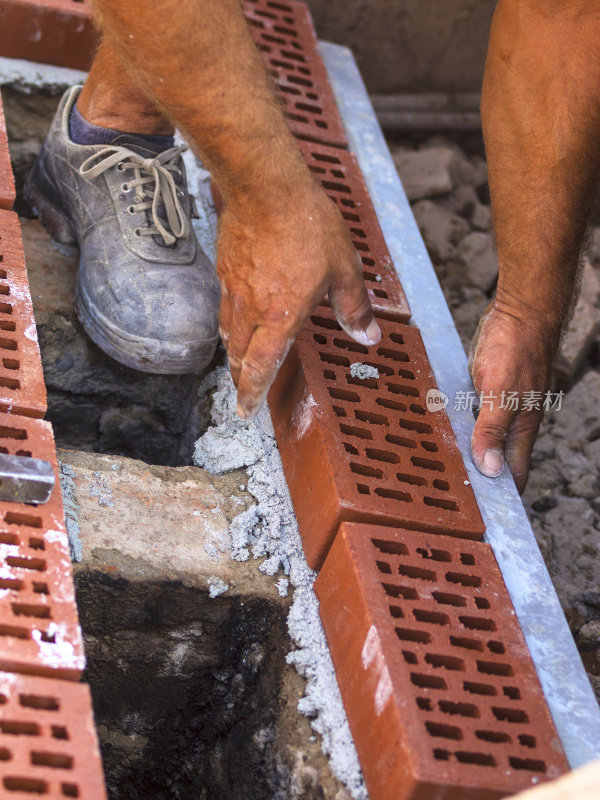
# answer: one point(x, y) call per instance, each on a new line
point(284, 33)
point(7, 181)
point(440, 690)
point(368, 449)
point(48, 744)
point(58, 32)
point(22, 388)
point(39, 628)
point(341, 177)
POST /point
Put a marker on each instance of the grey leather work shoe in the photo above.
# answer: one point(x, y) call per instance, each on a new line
point(145, 292)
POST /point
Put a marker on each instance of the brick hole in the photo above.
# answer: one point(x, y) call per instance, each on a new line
point(417, 409)
point(530, 764)
point(24, 562)
point(258, 24)
point(380, 293)
point(10, 383)
point(394, 355)
point(451, 663)
point(353, 218)
point(4, 290)
point(480, 759)
point(265, 14)
point(16, 518)
point(361, 246)
point(413, 480)
point(40, 587)
point(312, 168)
point(382, 455)
point(296, 117)
point(428, 463)
point(24, 453)
point(275, 62)
point(325, 322)
point(293, 56)
point(36, 543)
point(443, 731)
point(495, 737)
point(310, 109)
point(59, 732)
point(3, 272)
point(369, 416)
point(268, 37)
point(39, 701)
point(463, 579)
point(479, 688)
point(515, 715)
point(482, 602)
point(458, 709)
point(49, 638)
point(412, 635)
point(432, 553)
point(424, 703)
point(419, 427)
point(362, 488)
point(466, 643)
point(339, 411)
point(8, 538)
point(12, 433)
point(432, 617)
point(12, 630)
point(443, 486)
point(526, 740)
point(440, 502)
point(28, 610)
point(5, 754)
point(7, 325)
point(320, 124)
point(447, 599)
point(13, 584)
point(468, 559)
point(4, 450)
point(70, 789)
point(393, 405)
point(396, 612)
point(8, 344)
point(400, 441)
point(306, 71)
point(428, 681)
point(477, 623)
point(407, 592)
point(345, 201)
point(31, 785)
point(398, 388)
point(354, 347)
point(19, 728)
point(336, 186)
point(390, 547)
point(52, 760)
point(343, 394)
point(354, 430)
point(496, 647)
point(512, 692)
point(300, 82)
point(441, 755)
point(349, 448)
point(364, 469)
point(418, 573)
point(364, 383)
point(393, 494)
point(329, 375)
point(6, 308)
point(431, 447)
point(368, 262)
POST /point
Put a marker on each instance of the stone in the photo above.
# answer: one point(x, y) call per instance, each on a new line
point(582, 329)
point(478, 259)
point(578, 420)
point(471, 171)
point(427, 172)
point(467, 315)
point(442, 230)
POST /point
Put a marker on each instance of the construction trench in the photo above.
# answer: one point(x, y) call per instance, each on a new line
point(209, 670)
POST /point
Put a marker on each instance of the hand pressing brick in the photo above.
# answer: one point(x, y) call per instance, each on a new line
point(48, 743)
point(441, 694)
point(366, 448)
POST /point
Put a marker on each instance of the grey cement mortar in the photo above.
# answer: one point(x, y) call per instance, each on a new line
point(363, 371)
point(71, 506)
point(269, 531)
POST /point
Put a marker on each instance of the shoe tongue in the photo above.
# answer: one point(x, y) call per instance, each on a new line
point(145, 146)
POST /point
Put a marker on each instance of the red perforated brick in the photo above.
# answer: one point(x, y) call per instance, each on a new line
point(56, 32)
point(7, 181)
point(22, 388)
point(48, 745)
point(441, 694)
point(366, 449)
point(285, 36)
point(340, 175)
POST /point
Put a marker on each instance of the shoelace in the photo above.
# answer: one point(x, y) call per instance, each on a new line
point(153, 183)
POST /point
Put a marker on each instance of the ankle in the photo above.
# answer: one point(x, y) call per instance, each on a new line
point(131, 113)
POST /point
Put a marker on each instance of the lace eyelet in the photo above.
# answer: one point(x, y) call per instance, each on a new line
point(137, 233)
point(180, 194)
point(124, 187)
point(120, 166)
point(131, 210)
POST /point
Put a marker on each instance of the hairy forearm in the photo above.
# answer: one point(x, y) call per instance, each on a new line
point(196, 61)
point(541, 122)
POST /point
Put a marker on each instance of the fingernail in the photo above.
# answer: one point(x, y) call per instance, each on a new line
point(493, 463)
point(373, 332)
point(240, 411)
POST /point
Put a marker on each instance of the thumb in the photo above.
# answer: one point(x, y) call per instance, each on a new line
point(352, 307)
point(488, 442)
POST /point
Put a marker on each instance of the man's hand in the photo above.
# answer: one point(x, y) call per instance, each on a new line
point(275, 263)
point(508, 355)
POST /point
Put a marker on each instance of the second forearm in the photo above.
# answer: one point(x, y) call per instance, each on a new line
point(541, 122)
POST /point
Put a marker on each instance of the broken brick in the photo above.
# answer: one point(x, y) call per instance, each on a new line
point(7, 181)
point(367, 448)
point(441, 693)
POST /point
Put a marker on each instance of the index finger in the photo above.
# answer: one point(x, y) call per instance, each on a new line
point(265, 354)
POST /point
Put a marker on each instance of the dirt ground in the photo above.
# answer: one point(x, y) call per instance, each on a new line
point(446, 180)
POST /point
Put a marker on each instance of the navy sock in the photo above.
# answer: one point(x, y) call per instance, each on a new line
point(83, 132)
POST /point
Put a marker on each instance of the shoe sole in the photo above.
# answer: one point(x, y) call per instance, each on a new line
point(135, 352)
